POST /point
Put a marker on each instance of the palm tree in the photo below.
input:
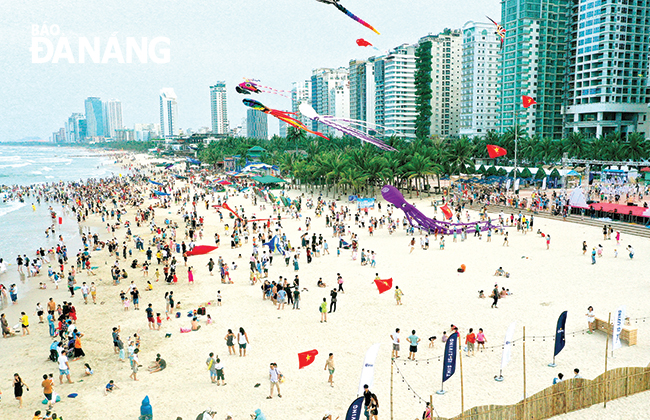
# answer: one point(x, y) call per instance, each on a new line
point(419, 167)
point(636, 147)
point(574, 145)
point(547, 150)
point(459, 155)
point(597, 148)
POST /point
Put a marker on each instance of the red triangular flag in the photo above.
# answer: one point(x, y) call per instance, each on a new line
point(496, 151)
point(384, 285)
point(527, 101)
point(446, 211)
point(363, 43)
point(306, 358)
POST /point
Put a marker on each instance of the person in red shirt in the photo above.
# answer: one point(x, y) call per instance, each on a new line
point(470, 340)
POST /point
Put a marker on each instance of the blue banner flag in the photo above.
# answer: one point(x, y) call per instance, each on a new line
point(449, 362)
point(356, 410)
point(559, 333)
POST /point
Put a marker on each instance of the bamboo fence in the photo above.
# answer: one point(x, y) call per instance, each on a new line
point(566, 396)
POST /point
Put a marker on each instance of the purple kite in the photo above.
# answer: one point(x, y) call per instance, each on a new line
point(417, 219)
point(350, 14)
point(337, 123)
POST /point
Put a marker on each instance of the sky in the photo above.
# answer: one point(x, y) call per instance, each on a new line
point(275, 41)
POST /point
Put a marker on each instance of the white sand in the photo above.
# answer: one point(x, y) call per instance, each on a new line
point(544, 285)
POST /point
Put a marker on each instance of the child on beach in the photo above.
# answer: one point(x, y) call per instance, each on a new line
point(398, 295)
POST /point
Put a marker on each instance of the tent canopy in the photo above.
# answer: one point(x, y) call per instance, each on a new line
point(267, 179)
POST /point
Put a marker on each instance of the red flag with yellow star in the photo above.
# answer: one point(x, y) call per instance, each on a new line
point(306, 358)
point(496, 151)
point(384, 285)
point(527, 101)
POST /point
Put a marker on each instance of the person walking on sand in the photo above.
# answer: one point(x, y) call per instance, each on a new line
point(470, 340)
point(548, 241)
point(323, 310)
point(230, 337)
point(495, 296)
point(505, 240)
point(398, 295)
point(48, 390)
point(412, 244)
point(584, 247)
point(329, 366)
point(480, 339)
point(242, 340)
point(591, 318)
point(274, 377)
point(220, 375)
point(64, 367)
point(134, 364)
point(211, 363)
point(395, 337)
point(333, 295)
point(593, 256)
point(18, 389)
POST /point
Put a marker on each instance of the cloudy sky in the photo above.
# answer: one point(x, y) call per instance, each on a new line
point(275, 41)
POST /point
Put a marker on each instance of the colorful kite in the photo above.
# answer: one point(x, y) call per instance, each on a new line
point(281, 115)
point(347, 12)
point(363, 43)
point(345, 126)
point(254, 86)
point(501, 31)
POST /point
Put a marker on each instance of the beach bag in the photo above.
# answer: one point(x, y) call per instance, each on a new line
point(201, 311)
point(320, 309)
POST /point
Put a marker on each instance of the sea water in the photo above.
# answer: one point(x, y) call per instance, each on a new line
point(22, 227)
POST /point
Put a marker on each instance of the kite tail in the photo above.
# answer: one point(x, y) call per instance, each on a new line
point(282, 115)
point(358, 19)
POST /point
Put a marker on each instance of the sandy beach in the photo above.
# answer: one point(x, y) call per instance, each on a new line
point(543, 283)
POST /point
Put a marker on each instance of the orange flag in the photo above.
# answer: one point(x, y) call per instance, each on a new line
point(496, 151)
point(527, 101)
point(384, 285)
point(306, 358)
point(446, 211)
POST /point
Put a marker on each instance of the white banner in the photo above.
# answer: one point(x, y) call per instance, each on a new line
point(508, 184)
point(544, 183)
point(507, 345)
point(619, 321)
point(516, 184)
point(368, 370)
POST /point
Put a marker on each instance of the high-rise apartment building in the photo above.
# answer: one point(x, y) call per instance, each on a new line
point(76, 128)
point(395, 92)
point(479, 79)
point(218, 108)
point(112, 117)
point(168, 113)
point(608, 85)
point(533, 63)
point(330, 95)
point(282, 128)
point(257, 124)
point(446, 53)
point(94, 117)
point(362, 90)
point(301, 92)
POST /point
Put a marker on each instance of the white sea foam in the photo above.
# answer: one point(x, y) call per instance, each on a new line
point(36, 173)
point(15, 165)
point(11, 206)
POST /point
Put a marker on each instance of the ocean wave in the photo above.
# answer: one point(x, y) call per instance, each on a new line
point(13, 206)
point(46, 169)
point(15, 165)
point(54, 160)
point(10, 158)
point(49, 177)
point(36, 173)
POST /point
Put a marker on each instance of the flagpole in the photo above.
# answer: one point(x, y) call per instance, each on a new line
point(514, 178)
point(462, 397)
point(392, 363)
point(524, 344)
point(606, 349)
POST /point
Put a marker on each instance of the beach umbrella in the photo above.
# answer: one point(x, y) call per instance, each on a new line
point(645, 169)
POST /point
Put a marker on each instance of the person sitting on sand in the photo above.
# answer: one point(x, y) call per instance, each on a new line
point(110, 387)
point(195, 324)
point(158, 365)
point(503, 293)
point(500, 272)
point(432, 341)
point(320, 282)
point(481, 295)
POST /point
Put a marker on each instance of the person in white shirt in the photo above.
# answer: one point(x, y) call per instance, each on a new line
point(64, 367)
point(395, 337)
point(274, 376)
point(590, 319)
